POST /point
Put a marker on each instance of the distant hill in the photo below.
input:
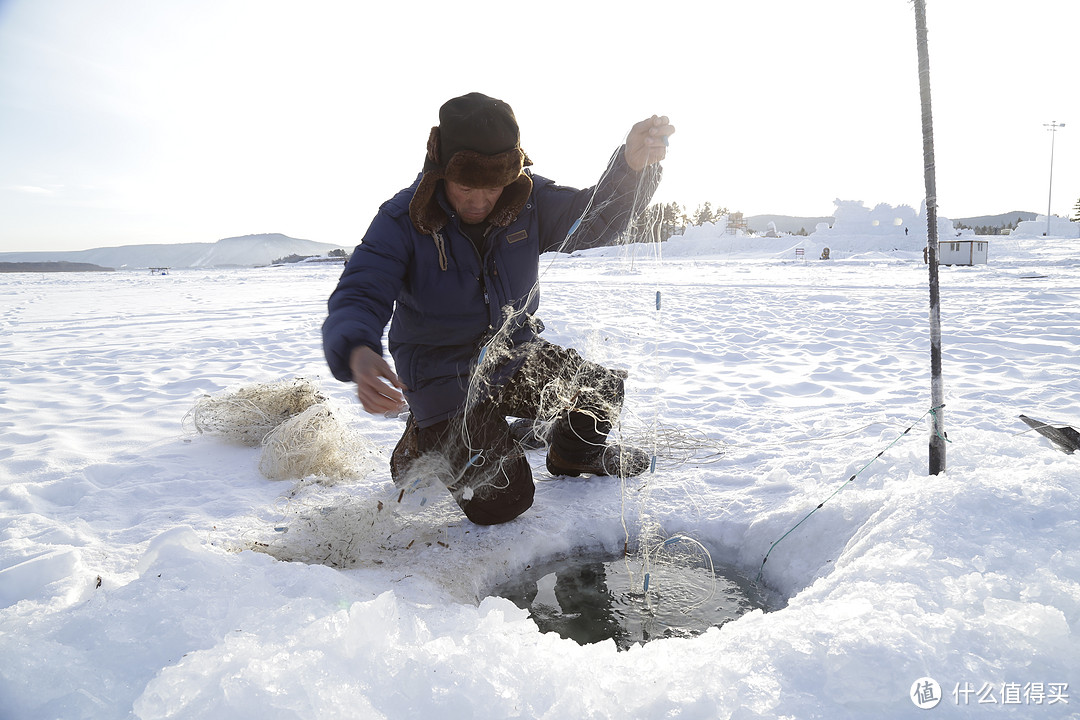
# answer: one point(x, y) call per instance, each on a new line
point(244, 251)
point(60, 266)
point(996, 221)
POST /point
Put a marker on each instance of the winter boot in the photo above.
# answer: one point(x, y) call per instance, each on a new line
point(615, 460)
point(530, 434)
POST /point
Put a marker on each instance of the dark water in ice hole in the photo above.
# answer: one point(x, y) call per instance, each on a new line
point(591, 598)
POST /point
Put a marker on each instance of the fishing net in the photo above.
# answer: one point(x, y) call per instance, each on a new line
point(585, 395)
point(618, 331)
point(676, 571)
point(350, 527)
point(249, 413)
point(315, 442)
point(300, 434)
point(339, 532)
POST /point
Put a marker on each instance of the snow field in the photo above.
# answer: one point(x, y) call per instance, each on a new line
point(788, 377)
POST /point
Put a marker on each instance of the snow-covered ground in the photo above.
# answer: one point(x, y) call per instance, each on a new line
point(129, 588)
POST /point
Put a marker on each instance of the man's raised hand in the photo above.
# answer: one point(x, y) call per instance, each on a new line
point(647, 142)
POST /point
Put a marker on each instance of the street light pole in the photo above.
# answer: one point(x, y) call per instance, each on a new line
point(1053, 128)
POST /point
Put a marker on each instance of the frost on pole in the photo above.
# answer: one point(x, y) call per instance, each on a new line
point(937, 386)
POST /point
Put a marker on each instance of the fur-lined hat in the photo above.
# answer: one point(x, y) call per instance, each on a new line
point(477, 144)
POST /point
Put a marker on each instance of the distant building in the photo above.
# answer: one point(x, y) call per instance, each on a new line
point(736, 224)
point(962, 252)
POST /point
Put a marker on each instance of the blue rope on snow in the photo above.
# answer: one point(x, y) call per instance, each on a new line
point(837, 491)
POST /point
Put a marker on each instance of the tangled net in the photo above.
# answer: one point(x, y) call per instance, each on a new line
point(248, 414)
point(315, 442)
point(340, 533)
point(299, 433)
point(343, 529)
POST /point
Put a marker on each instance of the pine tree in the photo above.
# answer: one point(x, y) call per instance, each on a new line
point(1076, 211)
point(703, 214)
point(665, 220)
point(675, 214)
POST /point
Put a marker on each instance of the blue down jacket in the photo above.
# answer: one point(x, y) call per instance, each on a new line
point(442, 317)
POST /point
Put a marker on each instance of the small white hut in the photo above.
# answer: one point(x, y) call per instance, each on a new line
point(962, 252)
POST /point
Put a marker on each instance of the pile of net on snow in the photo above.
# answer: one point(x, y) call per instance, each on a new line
point(292, 420)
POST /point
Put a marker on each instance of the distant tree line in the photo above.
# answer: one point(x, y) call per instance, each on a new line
point(990, 229)
point(665, 220)
point(669, 219)
point(294, 258)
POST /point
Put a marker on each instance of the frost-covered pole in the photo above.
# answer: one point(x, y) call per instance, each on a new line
point(937, 385)
point(1053, 128)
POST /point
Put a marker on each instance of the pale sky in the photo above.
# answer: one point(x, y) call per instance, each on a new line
point(153, 121)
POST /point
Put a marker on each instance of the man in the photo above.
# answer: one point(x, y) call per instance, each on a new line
point(454, 260)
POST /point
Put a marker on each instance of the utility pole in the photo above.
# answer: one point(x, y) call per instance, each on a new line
point(937, 385)
point(1053, 128)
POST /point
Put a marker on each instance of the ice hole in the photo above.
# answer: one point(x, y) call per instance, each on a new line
point(592, 597)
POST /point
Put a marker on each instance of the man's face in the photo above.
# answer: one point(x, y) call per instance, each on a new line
point(472, 204)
